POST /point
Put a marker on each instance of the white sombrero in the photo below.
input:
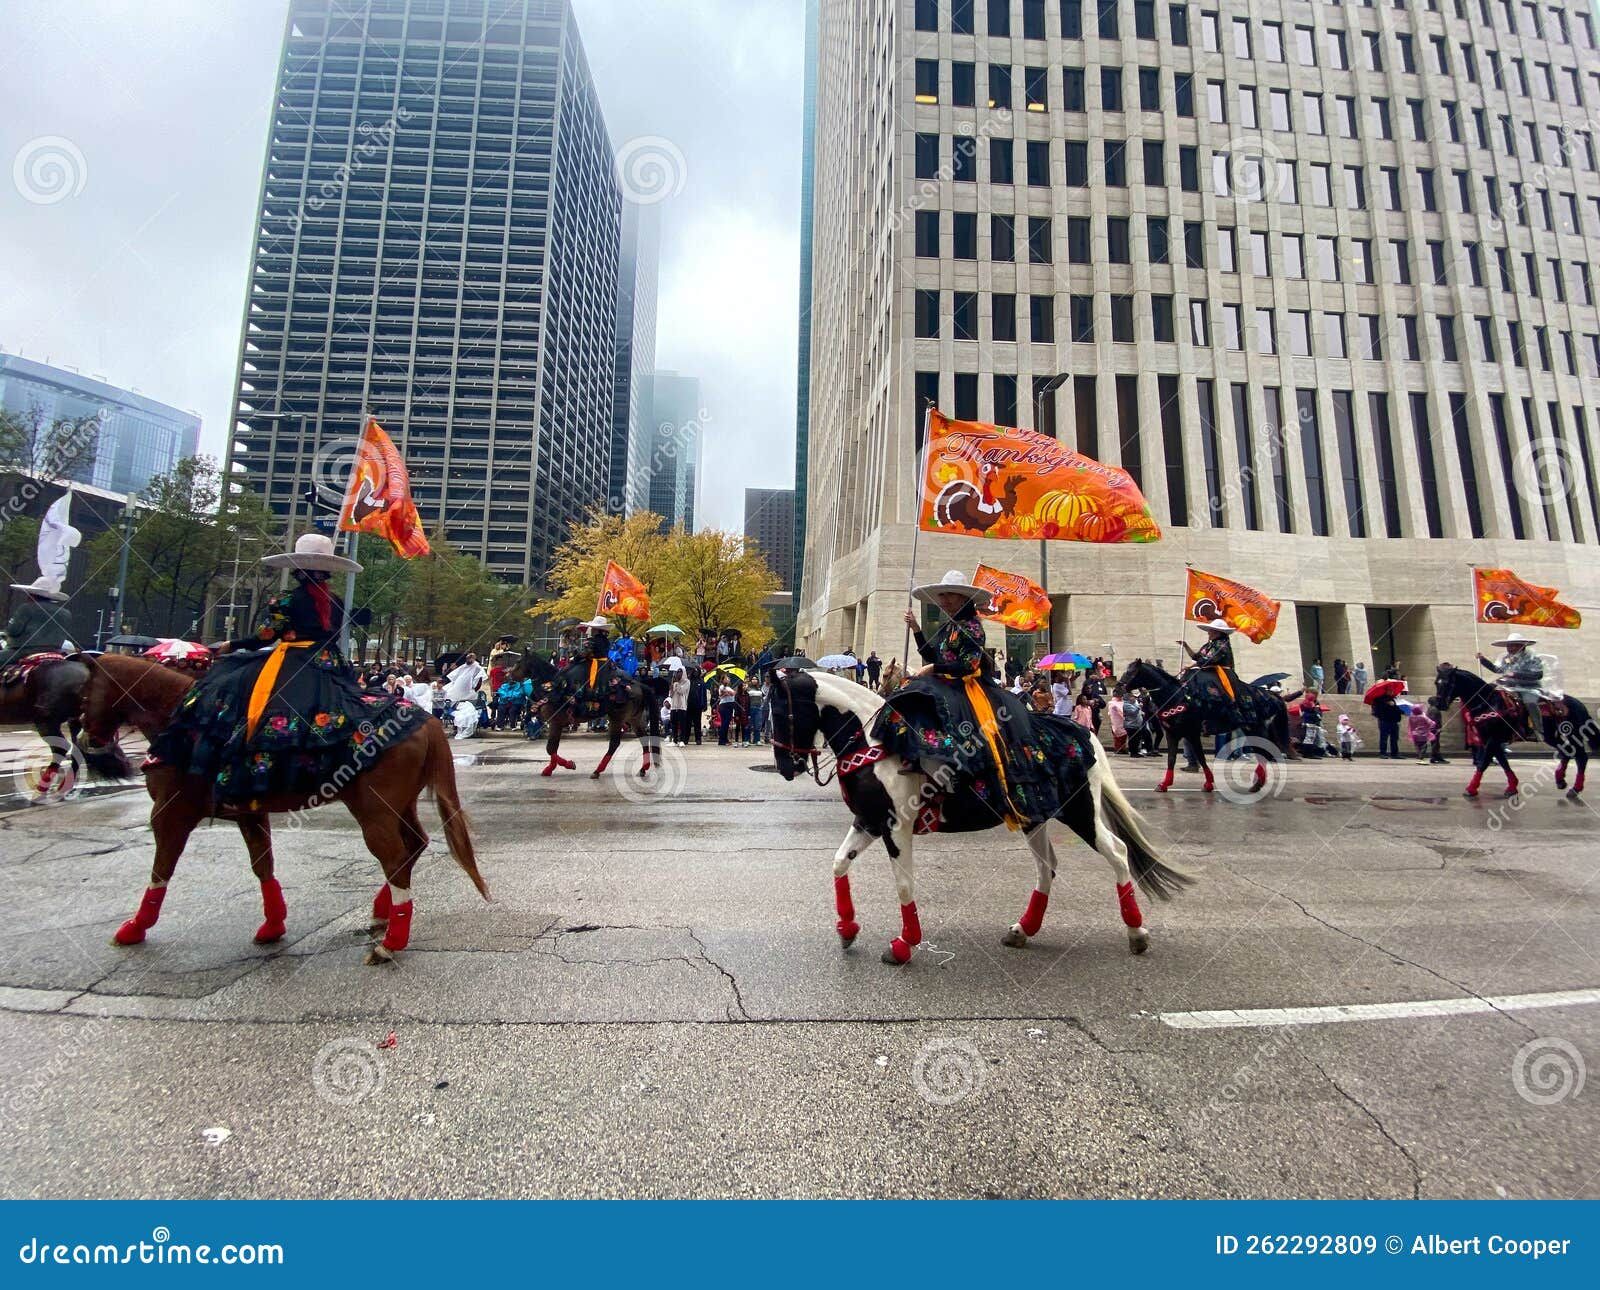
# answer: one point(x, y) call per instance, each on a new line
point(313, 553)
point(1219, 625)
point(599, 622)
point(46, 588)
point(1516, 638)
point(956, 582)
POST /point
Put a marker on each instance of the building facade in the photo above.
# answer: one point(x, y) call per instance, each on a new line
point(674, 459)
point(139, 438)
point(438, 245)
point(808, 164)
point(1320, 277)
point(769, 523)
point(636, 357)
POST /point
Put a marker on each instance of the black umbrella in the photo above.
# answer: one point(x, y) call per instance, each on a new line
point(133, 642)
point(795, 662)
point(1271, 678)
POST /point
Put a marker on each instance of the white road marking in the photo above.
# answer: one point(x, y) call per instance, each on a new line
point(1248, 1018)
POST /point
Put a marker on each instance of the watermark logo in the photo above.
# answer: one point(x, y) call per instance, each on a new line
point(1547, 1071)
point(668, 777)
point(651, 169)
point(49, 169)
point(46, 772)
point(1251, 769)
point(347, 1071)
point(948, 1071)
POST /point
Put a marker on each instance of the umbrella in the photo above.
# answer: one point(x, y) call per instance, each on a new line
point(133, 642)
point(1066, 658)
point(794, 663)
point(1384, 690)
point(675, 665)
point(664, 629)
point(1271, 678)
point(833, 662)
point(176, 650)
point(1060, 667)
point(733, 671)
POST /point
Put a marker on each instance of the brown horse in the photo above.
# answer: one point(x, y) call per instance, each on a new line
point(381, 795)
point(637, 711)
point(48, 696)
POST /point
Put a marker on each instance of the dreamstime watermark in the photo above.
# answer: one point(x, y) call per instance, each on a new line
point(49, 169)
point(373, 148)
point(1256, 170)
point(1546, 471)
point(46, 772)
point(651, 169)
point(69, 443)
point(1251, 769)
point(347, 1071)
point(668, 777)
point(671, 440)
point(948, 1071)
point(1547, 1071)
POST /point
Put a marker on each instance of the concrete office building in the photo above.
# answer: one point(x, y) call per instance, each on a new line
point(674, 459)
point(636, 357)
point(1321, 277)
point(139, 438)
point(438, 242)
point(769, 523)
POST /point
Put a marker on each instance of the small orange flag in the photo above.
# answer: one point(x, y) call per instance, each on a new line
point(1502, 597)
point(378, 497)
point(996, 481)
point(1019, 603)
point(622, 595)
point(1241, 607)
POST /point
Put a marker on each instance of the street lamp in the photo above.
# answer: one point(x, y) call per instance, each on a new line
point(1040, 395)
point(119, 593)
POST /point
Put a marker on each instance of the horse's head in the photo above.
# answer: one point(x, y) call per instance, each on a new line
point(796, 722)
point(1444, 687)
point(1130, 678)
point(122, 691)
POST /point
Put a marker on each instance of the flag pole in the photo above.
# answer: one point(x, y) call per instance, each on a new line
point(916, 532)
point(1477, 648)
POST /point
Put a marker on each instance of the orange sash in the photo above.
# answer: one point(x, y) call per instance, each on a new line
point(1222, 675)
point(594, 671)
point(990, 726)
point(266, 682)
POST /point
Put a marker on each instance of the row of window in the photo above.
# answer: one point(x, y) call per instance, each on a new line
point(1269, 43)
point(1262, 483)
point(1302, 333)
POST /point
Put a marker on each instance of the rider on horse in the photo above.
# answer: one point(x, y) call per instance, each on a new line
point(1521, 674)
point(282, 711)
point(1226, 703)
point(957, 726)
point(35, 627)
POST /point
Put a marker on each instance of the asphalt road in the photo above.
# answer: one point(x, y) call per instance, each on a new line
point(656, 1003)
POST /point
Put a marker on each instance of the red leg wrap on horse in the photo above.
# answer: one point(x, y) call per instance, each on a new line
point(274, 911)
point(1210, 786)
point(1472, 784)
point(1033, 917)
point(549, 770)
point(1577, 784)
point(565, 764)
point(910, 933)
point(604, 762)
point(848, 927)
point(1128, 899)
point(132, 931)
point(1261, 774)
point(1165, 784)
point(398, 935)
point(382, 903)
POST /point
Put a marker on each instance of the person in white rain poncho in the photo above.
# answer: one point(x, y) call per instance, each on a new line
point(1522, 672)
point(464, 680)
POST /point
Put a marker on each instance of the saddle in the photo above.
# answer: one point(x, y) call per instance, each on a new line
point(1515, 711)
point(18, 672)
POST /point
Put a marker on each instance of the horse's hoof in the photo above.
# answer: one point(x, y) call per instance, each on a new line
point(1512, 791)
point(644, 772)
point(1208, 787)
point(1561, 781)
point(377, 956)
point(1469, 792)
point(548, 770)
point(845, 942)
point(1161, 788)
point(1015, 937)
point(1572, 795)
point(892, 961)
point(1138, 940)
point(594, 775)
point(130, 933)
point(268, 933)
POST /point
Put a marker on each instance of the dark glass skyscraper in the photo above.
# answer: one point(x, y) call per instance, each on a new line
point(437, 245)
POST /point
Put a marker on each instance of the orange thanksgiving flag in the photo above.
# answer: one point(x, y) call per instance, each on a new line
point(996, 481)
point(622, 595)
point(1502, 597)
point(1022, 605)
point(1241, 607)
point(378, 498)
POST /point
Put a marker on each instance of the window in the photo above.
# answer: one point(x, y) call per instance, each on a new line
point(1400, 261)
point(1361, 258)
point(1344, 117)
point(1042, 319)
point(1003, 238)
point(1172, 449)
point(1344, 434)
point(1161, 323)
point(1300, 333)
point(1321, 184)
point(927, 156)
point(928, 234)
point(1355, 188)
point(1209, 39)
point(1311, 459)
point(1311, 110)
point(1294, 262)
point(1000, 85)
point(1328, 259)
point(1071, 20)
point(927, 80)
point(1447, 339)
point(1333, 339)
point(1199, 330)
point(1260, 259)
point(1388, 476)
point(963, 85)
point(1128, 428)
point(1003, 317)
point(964, 169)
point(1194, 244)
point(1155, 163)
point(1111, 89)
point(1150, 89)
point(964, 315)
point(1122, 319)
point(1158, 238)
point(1272, 41)
point(999, 17)
point(1108, 19)
point(1178, 23)
point(928, 315)
point(1038, 163)
point(1144, 19)
point(927, 15)
point(1002, 162)
point(1116, 163)
point(1247, 108)
point(1078, 240)
point(1082, 309)
point(1037, 88)
point(1077, 163)
point(965, 229)
point(1381, 121)
point(1232, 326)
point(1227, 260)
point(961, 17)
point(1338, 57)
point(1189, 168)
point(1117, 239)
point(1305, 46)
point(1372, 337)
point(1266, 332)
point(1005, 399)
point(1278, 105)
point(1389, 187)
point(1039, 250)
point(966, 400)
point(1073, 96)
point(1437, 264)
point(1216, 102)
point(1244, 445)
point(1183, 94)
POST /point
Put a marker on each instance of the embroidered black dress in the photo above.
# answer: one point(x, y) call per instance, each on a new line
point(318, 727)
point(997, 760)
point(1226, 703)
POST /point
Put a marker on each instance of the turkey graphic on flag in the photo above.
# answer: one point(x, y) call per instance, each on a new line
point(378, 499)
point(622, 595)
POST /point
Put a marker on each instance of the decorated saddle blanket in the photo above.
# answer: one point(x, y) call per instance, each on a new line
point(16, 673)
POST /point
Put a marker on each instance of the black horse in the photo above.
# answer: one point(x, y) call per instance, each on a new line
point(1182, 717)
point(1499, 720)
point(46, 692)
point(563, 698)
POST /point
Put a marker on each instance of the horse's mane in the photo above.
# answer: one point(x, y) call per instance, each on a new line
point(859, 699)
point(1151, 669)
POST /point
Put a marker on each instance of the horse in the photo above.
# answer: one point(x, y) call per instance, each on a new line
point(381, 795)
point(890, 800)
point(1181, 721)
point(47, 693)
point(637, 711)
point(1495, 716)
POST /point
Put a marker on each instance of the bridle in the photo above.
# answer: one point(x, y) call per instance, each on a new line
point(810, 757)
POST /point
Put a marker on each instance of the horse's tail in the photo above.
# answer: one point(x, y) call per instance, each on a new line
point(439, 774)
point(1153, 874)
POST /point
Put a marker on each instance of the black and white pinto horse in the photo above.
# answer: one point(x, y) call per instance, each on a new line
point(1497, 719)
point(1181, 722)
point(631, 710)
point(813, 711)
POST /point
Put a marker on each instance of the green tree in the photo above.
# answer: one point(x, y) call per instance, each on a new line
point(47, 450)
point(716, 581)
point(579, 567)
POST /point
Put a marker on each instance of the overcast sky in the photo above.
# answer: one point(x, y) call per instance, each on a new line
point(130, 260)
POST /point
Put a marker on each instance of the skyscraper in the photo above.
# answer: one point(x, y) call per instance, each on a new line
point(636, 357)
point(674, 458)
point(813, 21)
point(437, 244)
point(1322, 281)
point(139, 438)
point(769, 523)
